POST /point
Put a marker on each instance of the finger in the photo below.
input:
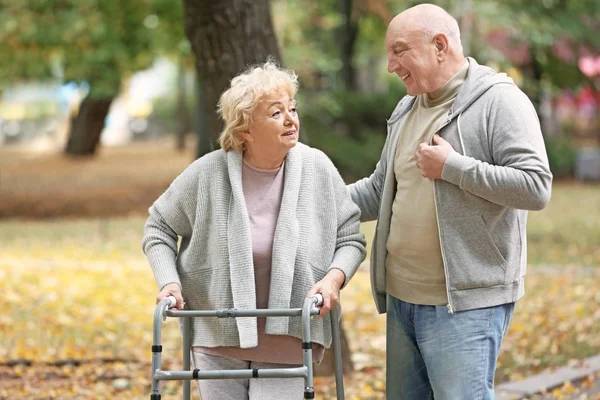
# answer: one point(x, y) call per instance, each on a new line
point(422, 146)
point(323, 310)
point(160, 297)
point(437, 139)
point(326, 305)
point(180, 303)
point(334, 301)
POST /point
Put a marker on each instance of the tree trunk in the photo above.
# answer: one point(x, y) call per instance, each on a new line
point(87, 126)
point(347, 37)
point(538, 97)
point(348, 33)
point(543, 96)
point(205, 143)
point(227, 36)
point(183, 115)
point(327, 366)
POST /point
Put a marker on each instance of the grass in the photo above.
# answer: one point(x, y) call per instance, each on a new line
point(567, 232)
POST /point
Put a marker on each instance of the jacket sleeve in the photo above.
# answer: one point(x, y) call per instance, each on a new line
point(366, 193)
point(171, 216)
point(519, 176)
point(350, 244)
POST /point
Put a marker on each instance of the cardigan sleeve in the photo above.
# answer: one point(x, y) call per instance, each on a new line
point(171, 216)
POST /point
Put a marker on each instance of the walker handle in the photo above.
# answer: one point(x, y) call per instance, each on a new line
point(172, 301)
point(319, 298)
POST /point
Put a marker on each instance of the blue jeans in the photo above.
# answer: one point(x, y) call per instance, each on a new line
point(432, 354)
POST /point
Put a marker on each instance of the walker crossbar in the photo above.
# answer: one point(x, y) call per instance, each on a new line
point(306, 371)
point(271, 312)
point(300, 372)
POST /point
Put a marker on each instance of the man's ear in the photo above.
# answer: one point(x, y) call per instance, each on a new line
point(440, 41)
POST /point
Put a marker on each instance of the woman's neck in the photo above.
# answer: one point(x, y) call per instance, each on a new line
point(263, 162)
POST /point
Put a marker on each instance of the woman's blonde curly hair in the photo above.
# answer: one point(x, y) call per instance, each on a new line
point(239, 101)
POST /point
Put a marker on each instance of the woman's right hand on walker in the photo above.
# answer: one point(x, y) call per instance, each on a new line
point(171, 289)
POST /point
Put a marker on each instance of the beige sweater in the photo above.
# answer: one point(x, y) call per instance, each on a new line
point(414, 267)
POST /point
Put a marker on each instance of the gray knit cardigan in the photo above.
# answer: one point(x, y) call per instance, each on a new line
point(317, 229)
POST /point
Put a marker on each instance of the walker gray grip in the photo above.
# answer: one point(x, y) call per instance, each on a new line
point(172, 301)
point(319, 298)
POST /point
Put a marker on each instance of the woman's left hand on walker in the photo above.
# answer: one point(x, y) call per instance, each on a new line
point(329, 287)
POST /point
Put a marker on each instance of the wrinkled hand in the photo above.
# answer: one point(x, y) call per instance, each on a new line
point(329, 287)
point(431, 159)
point(172, 289)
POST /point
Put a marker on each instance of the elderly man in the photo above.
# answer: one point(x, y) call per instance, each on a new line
point(463, 161)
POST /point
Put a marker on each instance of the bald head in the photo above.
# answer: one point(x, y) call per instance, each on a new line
point(430, 20)
point(423, 47)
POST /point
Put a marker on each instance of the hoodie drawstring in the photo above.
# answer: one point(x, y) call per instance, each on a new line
point(462, 145)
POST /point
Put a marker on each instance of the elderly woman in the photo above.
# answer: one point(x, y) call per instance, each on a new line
point(264, 222)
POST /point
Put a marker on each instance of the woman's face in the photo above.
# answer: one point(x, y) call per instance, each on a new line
point(274, 128)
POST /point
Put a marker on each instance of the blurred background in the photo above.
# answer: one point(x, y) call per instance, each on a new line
point(104, 103)
point(79, 76)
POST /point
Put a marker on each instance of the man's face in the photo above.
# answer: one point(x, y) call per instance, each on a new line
point(412, 57)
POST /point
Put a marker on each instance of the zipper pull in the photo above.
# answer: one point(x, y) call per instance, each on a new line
point(450, 310)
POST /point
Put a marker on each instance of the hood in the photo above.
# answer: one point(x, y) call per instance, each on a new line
point(479, 80)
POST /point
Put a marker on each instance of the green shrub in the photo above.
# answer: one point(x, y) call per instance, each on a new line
point(354, 159)
point(562, 154)
point(350, 127)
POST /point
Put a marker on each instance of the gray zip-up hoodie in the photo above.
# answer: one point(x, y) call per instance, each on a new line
point(499, 169)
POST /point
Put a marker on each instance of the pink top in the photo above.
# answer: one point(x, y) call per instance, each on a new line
point(263, 189)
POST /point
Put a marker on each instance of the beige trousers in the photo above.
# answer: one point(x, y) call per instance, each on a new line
point(245, 389)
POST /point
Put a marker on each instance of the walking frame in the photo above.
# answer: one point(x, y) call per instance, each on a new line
point(305, 371)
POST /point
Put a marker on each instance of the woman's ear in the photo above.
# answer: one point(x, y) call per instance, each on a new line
point(247, 136)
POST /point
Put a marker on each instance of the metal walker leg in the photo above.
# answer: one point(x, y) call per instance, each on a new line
point(306, 371)
point(186, 356)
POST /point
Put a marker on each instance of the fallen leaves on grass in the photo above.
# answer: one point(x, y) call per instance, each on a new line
point(557, 322)
point(77, 319)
